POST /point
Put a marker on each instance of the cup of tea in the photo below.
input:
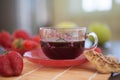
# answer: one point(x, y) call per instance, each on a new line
point(64, 43)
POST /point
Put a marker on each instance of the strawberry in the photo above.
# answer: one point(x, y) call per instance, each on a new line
point(5, 68)
point(36, 38)
point(5, 39)
point(18, 46)
point(22, 46)
point(98, 50)
point(11, 63)
point(21, 34)
point(16, 61)
point(29, 44)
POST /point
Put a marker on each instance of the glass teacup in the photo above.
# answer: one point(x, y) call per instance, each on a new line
point(64, 43)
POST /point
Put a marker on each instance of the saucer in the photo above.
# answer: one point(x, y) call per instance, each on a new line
point(38, 57)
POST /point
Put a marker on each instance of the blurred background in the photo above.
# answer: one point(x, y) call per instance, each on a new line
point(31, 14)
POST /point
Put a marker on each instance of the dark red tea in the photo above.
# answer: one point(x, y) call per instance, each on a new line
point(62, 50)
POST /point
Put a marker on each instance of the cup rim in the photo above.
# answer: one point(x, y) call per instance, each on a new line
point(80, 28)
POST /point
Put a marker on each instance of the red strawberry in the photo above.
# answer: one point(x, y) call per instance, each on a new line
point(17, 46)
point(36, 38)
point(5, 39)
point(11, 63)
point(98, 50)
point(22, 46)
point(5, 68)
point(21, 34)
point(29, 44)
point(16, 61)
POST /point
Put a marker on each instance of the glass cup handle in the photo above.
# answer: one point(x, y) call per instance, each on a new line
point(95, 40)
